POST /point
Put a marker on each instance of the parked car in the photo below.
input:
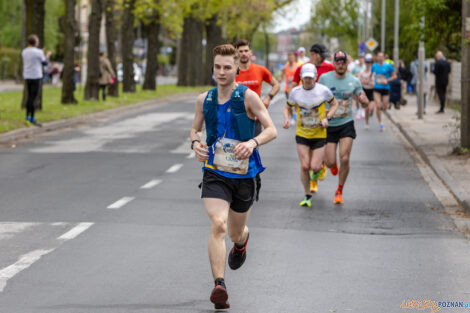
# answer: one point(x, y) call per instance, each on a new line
point(138, 74)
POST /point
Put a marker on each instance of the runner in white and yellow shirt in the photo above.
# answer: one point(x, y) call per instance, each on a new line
point(310, 101)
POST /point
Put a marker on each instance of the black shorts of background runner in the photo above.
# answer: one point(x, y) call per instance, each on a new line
point(369, 94)
point(383, 92)
point(311, 143)
point(240, 193)
point(335, 133)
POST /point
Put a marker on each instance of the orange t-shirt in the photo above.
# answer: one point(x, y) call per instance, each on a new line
point(253, 77)
point(289, 73)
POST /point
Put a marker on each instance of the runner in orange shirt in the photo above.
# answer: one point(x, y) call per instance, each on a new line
point(288, 72)
point(253, 75)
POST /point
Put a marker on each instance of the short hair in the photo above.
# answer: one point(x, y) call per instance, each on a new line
point(241, 43)
point(32, 39)
point(226, 50)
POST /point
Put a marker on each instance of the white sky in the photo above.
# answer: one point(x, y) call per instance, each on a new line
point(293, 15)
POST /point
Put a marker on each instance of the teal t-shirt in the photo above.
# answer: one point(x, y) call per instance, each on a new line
point(382, 73)
point(343, 89)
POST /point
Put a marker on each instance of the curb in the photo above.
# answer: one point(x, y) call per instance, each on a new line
point(16, 135)
point(435, 164)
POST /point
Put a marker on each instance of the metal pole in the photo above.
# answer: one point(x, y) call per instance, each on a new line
point(465, 104)
point(372, 2)
point(397, 34)
point(421, 73)
point(366, 20)
point(382, 35)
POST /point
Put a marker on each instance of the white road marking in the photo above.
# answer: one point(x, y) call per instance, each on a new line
point(74, 232)
point(121, 202)
point(23, 263)
point(151, 184)
point(8, 229)
point(191, 155)
point(98, 138)
point(175, 168)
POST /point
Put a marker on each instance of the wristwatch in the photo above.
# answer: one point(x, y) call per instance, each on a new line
point(192, 143)
point(271, 96)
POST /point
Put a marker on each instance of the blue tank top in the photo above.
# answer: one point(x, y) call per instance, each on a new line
point(225, 130)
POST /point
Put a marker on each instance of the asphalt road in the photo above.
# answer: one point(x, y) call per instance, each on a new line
point(107, 218)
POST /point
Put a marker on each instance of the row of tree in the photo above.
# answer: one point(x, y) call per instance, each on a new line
point(199, 25)
point(442, 29)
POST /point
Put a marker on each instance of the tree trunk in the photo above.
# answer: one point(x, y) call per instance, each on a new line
point(214, 38)
point(92, 86)
point(127, 43)
point(267, 47)
point(34, 19)
point(152, 54)
point(69, 53)
point(113, 90)
point(190, 68)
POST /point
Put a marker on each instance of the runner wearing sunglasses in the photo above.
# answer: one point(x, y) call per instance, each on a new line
point(341, 132)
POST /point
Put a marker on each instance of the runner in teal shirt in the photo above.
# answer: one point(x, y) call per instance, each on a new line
point(340, 131)
point(344, 89)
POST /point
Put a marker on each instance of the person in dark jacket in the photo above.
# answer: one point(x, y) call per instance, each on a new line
point(441, 71)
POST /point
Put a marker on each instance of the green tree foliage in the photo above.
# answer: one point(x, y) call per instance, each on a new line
point(339, 19)
point(10, 26)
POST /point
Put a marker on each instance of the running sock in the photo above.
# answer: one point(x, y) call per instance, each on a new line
point(340, 188)
point(308, 197)
point(315, 175)
point(220, 281)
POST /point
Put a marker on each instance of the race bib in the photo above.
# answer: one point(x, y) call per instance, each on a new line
point(310, 118)
point(343, 108)
point(225, 159)
point(381, 79)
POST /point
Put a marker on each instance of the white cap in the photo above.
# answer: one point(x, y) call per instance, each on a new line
point(308, 70)
point(368, 57)
point(301, 49)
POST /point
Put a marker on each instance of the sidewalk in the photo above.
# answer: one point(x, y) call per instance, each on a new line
point(434, 137)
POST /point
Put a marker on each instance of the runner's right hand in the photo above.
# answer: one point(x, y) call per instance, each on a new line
point(286, 124)
point(201, 150)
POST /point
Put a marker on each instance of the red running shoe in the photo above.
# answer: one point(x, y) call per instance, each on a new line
point(219, 297)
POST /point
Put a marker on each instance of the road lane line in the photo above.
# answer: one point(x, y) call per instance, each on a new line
point(74, 232)
point(151, 184)
point(191, 155)
point(23, 263)
point(175, 168)
point(121, 202)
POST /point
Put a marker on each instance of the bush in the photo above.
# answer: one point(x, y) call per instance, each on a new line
point(13, 63)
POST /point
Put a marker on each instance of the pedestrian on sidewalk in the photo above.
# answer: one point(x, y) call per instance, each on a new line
point(33, 62)
point(441, 71)
point(107, 75)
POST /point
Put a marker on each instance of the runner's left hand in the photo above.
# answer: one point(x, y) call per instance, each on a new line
point(244, 149)
point(363, 98)
point(324, 123)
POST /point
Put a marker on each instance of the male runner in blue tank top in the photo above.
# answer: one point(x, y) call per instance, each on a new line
point(231, 162)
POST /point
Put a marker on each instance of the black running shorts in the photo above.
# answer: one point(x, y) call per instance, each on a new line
point(335, 133)
point(311, 143)
point(239, 192)
point(369, 94)
point(383, 92)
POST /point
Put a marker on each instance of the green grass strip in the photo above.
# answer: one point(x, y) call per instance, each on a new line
point(12, 117)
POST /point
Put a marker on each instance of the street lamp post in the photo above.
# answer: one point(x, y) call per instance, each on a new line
point(382, 35)
point(421, 72)
point(397, 34)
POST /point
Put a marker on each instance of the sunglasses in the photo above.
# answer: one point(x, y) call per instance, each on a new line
point(340, 61)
